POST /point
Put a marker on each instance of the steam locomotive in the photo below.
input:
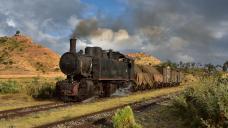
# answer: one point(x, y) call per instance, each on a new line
point(97, 72)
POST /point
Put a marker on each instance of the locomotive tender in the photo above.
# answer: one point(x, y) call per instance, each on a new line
point(99, 72)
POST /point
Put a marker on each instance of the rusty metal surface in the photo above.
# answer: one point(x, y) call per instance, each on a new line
point(84, 66)
point(73, 45)
point(109, 69)
point(66, 88)
point(97, 65)
point(166, 74)
point(93, 51)
point(67, 63)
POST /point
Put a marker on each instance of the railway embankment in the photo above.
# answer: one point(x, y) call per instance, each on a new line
point(45, 117)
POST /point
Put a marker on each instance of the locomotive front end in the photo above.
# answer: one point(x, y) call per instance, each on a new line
point(68, 66)
point(75, 66)
point(68, 61)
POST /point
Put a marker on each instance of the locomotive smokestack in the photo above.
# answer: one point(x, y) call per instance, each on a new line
point(73, 45)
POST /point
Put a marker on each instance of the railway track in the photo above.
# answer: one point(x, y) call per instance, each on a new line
point(9, 114)
point(85, 120)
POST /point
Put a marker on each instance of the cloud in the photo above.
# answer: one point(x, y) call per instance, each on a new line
point(169, 29)
point(174, 29)
point(10, 23)
point(47, 22)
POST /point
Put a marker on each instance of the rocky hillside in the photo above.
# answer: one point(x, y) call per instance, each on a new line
point(20, 55)
point(143, 59)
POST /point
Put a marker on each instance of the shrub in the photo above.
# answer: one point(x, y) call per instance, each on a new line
point(9, 87)
point(56, 69)
point(44, 91)
point(40, 90)
point(203, 106)
point(59, 78)
point(124, 118)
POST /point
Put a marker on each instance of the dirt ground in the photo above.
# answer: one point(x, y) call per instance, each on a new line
point(12, 101)
point(52, 75)
point(158, 116)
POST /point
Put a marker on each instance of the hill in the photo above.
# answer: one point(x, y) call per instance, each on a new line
point(143, 59)
point(21, 56)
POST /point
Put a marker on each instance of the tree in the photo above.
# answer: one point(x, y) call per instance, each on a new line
point(181, 64)
point(18, 32)
point(210, 68)
point(225, 66)
point(193, 64)
point(170, 64)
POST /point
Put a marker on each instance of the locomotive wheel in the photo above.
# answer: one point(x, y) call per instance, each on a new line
point(109, 88)
point(133, 86)
point(86, 89)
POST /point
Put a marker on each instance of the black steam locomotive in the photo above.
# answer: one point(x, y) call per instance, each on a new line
point(95, 72)
point(101, 72)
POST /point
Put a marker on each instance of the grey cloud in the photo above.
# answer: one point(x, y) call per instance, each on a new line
point(45, 21)
point(168, 29)
point(158, 22)
point(190, 20)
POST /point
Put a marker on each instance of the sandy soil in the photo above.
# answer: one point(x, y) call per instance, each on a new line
point(52, 75)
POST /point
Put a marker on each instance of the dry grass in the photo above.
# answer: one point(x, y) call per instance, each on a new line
point(143, 59)
point(12, 101)
point(20, 55)
point(23, 97)
point(146, 76)
point(158, 116)
point(82, 109)
point(26, 76)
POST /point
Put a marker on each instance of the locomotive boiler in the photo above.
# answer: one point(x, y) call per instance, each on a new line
point(99, 72)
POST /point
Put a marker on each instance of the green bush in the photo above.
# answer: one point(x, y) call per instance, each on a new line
point(124, 118)
point(40, 90)
point(203, 106)
point(9, 87)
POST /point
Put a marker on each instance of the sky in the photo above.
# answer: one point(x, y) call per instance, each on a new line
point(176, 30)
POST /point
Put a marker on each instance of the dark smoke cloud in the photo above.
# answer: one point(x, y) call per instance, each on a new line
point(86, 28)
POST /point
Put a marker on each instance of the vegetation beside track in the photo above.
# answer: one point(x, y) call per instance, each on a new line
point(158, 116)
point(40, 118)
point(205, 105)
point(23, 92)
point(13, 101)
point(36, 87)
point(124, 118)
